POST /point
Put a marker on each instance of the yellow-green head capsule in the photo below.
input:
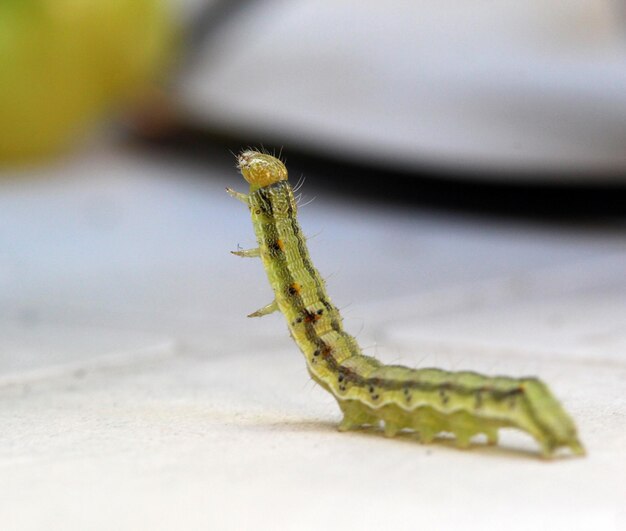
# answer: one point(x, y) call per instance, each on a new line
point(260, 169)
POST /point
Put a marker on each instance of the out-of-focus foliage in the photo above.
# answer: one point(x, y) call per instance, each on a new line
point(63, 62)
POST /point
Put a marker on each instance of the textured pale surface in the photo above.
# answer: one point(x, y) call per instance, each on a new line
point(134, 393)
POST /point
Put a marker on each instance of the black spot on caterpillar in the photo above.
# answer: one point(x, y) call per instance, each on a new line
point(369, 393)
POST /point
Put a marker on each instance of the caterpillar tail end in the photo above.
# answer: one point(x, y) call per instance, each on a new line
point(577, 448)
point(549, 451)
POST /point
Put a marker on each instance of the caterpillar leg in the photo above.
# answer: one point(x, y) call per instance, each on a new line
point(391, 429)
point(426, 423)
point(237, 195)
point(547, 449)
point(577, 448)
point(464, 427)
point(394, 419)
point(426, 435)
point(492, 436)
point(355, 415)
point(462, 440)
point(266, 310)
point(248, 253)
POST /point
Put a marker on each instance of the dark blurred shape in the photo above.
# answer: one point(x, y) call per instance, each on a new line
point(515, 195)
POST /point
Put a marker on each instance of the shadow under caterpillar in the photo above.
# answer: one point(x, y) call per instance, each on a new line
point(369, 393)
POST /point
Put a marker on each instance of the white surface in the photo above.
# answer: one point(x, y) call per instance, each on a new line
point(504, 85)
point(134, 394)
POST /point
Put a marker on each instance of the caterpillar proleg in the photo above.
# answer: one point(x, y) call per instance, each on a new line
point(369, 393)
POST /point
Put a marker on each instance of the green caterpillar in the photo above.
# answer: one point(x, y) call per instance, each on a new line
point(369, 393)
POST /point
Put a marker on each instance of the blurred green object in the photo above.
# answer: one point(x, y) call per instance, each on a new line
point(63, 63)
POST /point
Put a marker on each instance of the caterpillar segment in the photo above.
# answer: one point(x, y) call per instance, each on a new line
point(369, 393)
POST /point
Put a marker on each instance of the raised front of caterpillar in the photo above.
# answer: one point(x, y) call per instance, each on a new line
point(369, 393)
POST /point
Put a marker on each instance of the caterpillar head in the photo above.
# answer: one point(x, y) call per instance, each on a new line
point(260, 169)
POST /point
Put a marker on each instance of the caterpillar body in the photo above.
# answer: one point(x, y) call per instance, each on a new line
point(369, 393)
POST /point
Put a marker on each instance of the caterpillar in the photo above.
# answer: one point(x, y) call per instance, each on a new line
point(425, 401)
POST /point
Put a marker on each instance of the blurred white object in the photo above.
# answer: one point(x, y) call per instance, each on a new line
point(479, 85)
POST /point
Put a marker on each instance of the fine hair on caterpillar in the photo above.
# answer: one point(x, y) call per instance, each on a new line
point(426, 401)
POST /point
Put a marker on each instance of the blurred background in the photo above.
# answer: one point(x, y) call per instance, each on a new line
point(467, 163)
point(500, 106)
